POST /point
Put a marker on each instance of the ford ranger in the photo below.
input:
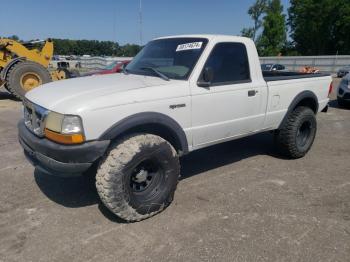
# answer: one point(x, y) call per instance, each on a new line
point(179, 94)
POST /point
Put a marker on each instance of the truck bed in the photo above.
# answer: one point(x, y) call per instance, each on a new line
point(270, 76)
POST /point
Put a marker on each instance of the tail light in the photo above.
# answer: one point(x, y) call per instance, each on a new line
point(330, 88)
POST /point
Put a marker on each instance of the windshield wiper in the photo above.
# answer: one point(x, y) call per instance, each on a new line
point(156, 72)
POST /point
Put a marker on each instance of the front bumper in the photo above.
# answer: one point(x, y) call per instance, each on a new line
point(57, 159)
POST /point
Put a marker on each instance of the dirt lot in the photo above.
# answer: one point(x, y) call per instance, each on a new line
point(236, 202)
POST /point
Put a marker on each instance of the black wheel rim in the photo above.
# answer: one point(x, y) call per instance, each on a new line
point(304, 133)
point(146, 179)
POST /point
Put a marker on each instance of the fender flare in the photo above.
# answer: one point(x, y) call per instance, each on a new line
point(301, 96)
point(148, 118)
point(4, 72)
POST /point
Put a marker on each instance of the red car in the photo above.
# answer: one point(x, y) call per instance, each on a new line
point(114, 67)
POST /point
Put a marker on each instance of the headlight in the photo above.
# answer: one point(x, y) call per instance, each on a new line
point(65, 129)
point(71, 125)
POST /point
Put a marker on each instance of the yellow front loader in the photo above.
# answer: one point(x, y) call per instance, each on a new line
point(23, 66)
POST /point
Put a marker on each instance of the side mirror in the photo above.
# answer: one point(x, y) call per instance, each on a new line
point(207, 77)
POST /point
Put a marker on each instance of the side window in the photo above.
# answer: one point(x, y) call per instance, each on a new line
point(229, 62)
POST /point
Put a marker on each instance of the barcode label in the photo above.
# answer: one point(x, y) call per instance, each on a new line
point(189, 46)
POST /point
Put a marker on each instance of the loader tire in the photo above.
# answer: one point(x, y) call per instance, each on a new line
point(138, 176)
point(25, 76)
point(297, 134)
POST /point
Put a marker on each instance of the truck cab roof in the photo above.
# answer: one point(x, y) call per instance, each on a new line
point(209, 37)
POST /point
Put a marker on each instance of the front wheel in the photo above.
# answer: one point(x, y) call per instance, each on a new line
point(138, 177)
point(297, 133)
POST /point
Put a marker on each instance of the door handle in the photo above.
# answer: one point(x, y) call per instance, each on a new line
point(252, 92)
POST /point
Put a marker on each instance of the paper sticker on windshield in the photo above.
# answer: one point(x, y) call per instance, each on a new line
point(189, 46)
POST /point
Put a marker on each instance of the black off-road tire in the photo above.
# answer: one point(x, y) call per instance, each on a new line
point(15, 73)
point(4, 86)
point(288, 136)
point(116, 174)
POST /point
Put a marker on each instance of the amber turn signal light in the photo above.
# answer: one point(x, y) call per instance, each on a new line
point(64, 138)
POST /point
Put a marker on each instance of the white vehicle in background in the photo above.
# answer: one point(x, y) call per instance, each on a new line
point(178, 95)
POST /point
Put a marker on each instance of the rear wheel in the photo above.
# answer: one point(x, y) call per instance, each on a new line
point(138, 177)
point(297, 134)
point(25, 76)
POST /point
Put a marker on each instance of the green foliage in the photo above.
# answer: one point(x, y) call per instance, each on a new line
point(248, 32)
point(13, 37)
point(289, 49)
point(273, 38)
point(256, 11)
point(94, 48)
point(320, 27)
point(90, 47)
point(129, 50)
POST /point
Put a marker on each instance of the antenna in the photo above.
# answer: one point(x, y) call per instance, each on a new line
point(140, 17)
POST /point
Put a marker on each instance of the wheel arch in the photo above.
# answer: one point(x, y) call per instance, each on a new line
point(306, 98)
point(152, 123)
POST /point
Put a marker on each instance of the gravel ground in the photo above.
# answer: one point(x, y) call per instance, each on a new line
point(237, 201)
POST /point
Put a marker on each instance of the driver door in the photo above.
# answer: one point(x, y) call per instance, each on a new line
point(230, 106)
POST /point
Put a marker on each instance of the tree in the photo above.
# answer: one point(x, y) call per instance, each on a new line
point(130, 50)
point(256, 11)
point(341, 32)
point(14, 37)
point(94, 48)
point(248, 32)
point(289, 49)
point(273, 37)
point(320, 27)
point(90, 47)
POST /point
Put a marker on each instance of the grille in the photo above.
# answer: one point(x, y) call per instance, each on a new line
point(34, 117)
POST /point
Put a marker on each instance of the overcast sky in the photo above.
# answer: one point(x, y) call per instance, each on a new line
point(118, 20)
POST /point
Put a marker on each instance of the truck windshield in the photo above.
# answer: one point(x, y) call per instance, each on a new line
point(173, 57)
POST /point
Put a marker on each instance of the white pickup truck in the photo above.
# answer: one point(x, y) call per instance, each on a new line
point(179, 94)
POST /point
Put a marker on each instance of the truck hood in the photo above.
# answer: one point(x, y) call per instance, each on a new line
point(76, 91)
